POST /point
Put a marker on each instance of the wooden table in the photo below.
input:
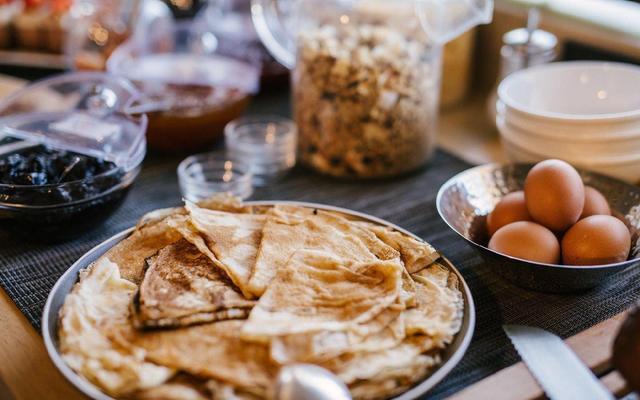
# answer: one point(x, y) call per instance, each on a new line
point(27, 373)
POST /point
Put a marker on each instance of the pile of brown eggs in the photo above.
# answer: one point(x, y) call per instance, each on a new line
point(557, 218)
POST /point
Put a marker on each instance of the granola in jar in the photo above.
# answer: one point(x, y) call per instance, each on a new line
point(365, 100)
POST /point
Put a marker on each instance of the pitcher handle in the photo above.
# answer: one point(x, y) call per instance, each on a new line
point(444, 20)
point(278, 38)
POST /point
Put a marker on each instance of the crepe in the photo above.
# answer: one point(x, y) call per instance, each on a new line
point(96, 305)
point(240, 291)
point(415, 254)
point(289, 229)
point(182, 286)
point(179, 387)
point(152, 234)
point(188, 387)
point(172, 391)
point(398, 370)
point(384, 364)
point(440, 305)
point(212, 350)
point(436, 317)
point(331, 293)
point(226, 202)
point(386, 330)
point(230, 240)
point(224, 391)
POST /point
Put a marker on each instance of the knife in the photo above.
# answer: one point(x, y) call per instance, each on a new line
point(555, 366)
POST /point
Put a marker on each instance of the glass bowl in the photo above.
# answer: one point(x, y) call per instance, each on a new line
point(266, 143)
point(190, 91)
point(39, 216)
point(68, 154)
point(203, 175)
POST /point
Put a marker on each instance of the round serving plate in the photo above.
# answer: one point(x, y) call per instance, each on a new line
point(450, 357)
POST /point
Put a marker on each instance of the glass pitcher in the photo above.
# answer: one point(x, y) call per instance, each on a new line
point(365, 76)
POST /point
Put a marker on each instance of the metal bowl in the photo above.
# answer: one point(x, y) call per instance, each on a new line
point(450, 357)
point(465, 200)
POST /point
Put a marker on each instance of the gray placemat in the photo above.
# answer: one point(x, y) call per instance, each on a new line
point(28, 271)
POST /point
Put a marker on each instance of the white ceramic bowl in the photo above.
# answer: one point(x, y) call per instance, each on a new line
point(585, 112)
point(576, 91)
point(602, 149)
point(628, 170)
point(581, 131)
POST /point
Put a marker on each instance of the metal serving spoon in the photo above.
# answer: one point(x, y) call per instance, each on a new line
point(309, 382)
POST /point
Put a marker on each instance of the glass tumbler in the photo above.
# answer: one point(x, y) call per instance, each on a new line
point(265, 143)
point(202, 175)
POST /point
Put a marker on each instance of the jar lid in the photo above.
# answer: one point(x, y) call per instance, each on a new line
point(83, 112)
point(191, 69)
point(183, 55)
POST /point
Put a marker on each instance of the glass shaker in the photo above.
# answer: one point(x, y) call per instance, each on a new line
point(523, 48)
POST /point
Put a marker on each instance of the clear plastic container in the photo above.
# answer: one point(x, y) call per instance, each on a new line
point(203, 175)
point(365, 76)
point(190, 91)
point(266, 143)
point(95, 28)
point(68, 154)
point(230, 21)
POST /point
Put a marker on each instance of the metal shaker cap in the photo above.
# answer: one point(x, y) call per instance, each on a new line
point(524, 40)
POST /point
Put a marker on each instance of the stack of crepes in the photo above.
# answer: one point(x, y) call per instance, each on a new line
point(208, 301)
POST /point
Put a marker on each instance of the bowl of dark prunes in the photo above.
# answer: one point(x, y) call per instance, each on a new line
point(67, 163)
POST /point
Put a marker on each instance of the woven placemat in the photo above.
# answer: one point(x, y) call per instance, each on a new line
point(28, 271)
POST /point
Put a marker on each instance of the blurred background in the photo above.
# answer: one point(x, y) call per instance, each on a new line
point(42, 37)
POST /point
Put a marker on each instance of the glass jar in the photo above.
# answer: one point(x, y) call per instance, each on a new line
point(190, 91)
point(365, 77)
point(365, 97)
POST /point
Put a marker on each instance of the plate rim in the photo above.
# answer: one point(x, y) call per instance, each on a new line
point(86, 387)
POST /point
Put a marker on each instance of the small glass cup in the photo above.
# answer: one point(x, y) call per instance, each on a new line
point(203, 175)
point(266, 143)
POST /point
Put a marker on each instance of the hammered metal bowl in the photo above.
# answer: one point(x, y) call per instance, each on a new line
point(465, 200)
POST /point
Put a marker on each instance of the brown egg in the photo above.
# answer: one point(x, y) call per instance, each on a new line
point(511, 208)
point(594, 203)
point(596, 240)
point(528, 241)
point(554, 193)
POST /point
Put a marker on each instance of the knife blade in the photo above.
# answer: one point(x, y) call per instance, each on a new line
point(555, 366)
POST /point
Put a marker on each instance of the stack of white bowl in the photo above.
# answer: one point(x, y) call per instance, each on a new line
point(586, 113)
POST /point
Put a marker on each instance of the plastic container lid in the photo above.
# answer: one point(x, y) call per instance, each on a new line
point(183, 55)
point(80, 112)
point(191, 69)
